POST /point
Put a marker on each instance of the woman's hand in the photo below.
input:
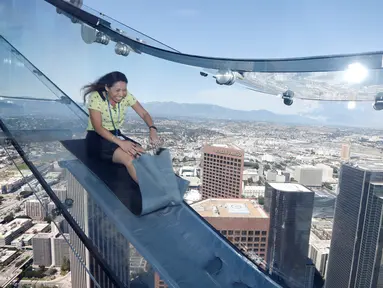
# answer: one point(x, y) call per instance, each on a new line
point(131, 148)
point(153, 137)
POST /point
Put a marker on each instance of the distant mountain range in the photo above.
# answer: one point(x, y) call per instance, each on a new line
point(208, 111)
point(333, 114)
point(328, 114)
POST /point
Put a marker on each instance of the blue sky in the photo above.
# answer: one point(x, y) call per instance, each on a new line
point(251, 29)
point(272, 28)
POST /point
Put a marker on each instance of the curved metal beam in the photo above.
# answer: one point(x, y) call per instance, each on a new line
point(371, 60)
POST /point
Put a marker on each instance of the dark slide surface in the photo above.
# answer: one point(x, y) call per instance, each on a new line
point(127, 191)
point(158, 186)
point(179, 244)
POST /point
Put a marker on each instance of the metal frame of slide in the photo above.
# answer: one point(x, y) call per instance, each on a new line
point(204, 257)
point(371, 60)
point(61, 207)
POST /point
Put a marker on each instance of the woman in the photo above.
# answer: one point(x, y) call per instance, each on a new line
point(107, 104)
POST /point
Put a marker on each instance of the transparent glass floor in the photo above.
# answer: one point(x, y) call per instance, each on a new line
point(41, 107)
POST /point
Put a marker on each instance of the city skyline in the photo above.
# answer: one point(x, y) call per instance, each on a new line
point(180, 83)
point(293, 147)
point(272, 201)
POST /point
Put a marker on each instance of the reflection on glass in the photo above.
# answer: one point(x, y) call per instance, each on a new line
point(31, 223)
point(128, 265)
point(38, 115)
point(354, 84)
point(54, 121)
point(39, 118)
point(128, 31)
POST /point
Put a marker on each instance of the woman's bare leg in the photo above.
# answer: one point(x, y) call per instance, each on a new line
point(121, 157)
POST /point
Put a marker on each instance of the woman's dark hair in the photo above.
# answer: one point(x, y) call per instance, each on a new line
point(106, 80)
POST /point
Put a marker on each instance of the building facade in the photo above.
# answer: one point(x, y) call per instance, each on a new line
point(290, 208)
point(222, 170)
point(35, 210)
point(112, 245)
point(309, 175)
point(42, 249)
point(242, 221)
point(357, 238)
point(60, 249)
point(345, 152)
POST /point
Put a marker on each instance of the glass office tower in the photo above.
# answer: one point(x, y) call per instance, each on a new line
point(357, 239)
point(290, 207)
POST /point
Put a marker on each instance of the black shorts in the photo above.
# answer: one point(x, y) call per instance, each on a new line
point(99, 147)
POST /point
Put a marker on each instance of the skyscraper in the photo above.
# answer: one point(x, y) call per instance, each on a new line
point(42, 254)
point(35, 210)
point(290, 208)
point(222, 167)
point(60, 249)
point(105, 236)
point(241, 221)
point(345, 152)
point(357, 239)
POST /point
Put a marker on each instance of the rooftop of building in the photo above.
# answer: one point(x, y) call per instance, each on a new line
point(44, 235)
point(254, 188)
point(24, 237)
point(306, 166)
point(367, 166)
point(53, 174)
point(192, 168)
point(289, 187)
point(14, 225)
point(220, 145)
point(193, 181)
point(235, 208)
point(37, 228)
point(324, 223)
point(5, 254)
point(226, 146)
point(192, 196)
point(319, 244)
point(223, 150)
point(321, 192)
point(250, 171)
point(32, 200)
point(59, 186)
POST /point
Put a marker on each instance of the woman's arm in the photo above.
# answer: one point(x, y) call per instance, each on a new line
point(143, 114)
point(154, 140)
point(128, 146)
point(95, 118)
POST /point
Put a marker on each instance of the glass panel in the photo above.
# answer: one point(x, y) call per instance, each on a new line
point(38, 119)
point(75, 67)
point(39, 241)
point(127, 30)
point(123, 259)
point(108, 28)
point(323, 86)
point(39, 115)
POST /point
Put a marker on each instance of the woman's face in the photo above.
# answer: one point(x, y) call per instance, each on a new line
point(117, 92)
